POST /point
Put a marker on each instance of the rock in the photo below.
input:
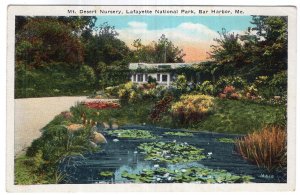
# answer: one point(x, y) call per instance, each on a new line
point(67, 114)
point(93, 144)
point(114, 126)
point(277, 97)
point(105, 125)
point(98, 138)
point(75, 127)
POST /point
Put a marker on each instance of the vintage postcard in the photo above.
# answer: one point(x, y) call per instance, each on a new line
point(151, 98)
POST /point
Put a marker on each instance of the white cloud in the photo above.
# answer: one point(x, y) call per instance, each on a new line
point(194, 38)
point(138, 25)
point(185, 33)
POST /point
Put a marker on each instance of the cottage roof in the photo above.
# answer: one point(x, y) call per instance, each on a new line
point(134, 66)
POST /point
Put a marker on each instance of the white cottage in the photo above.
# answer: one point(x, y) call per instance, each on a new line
point(156, 71)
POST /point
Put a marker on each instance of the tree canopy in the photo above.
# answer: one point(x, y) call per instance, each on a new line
point(261, 51)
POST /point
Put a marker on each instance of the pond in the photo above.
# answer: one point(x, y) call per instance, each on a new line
point(160, 155)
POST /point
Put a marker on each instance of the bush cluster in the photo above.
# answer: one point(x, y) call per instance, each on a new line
point(191, 108)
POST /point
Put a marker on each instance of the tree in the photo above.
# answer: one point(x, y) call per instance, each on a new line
point(104, 51)
point(162, 51)
point(43, 40)
point(261, 51)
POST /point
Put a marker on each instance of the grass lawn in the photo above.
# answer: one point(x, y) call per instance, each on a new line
point(241, 117)
point(229, 116)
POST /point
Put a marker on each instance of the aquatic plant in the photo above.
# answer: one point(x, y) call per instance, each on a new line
point(132, 133)
point(106, 173)
point(179, 133)
point(190, 175)
point(266, 148)
point(226, 140)
point(171, 152)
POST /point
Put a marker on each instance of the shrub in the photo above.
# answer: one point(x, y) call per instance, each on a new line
point(236, 82)
point(160, 108)
point(112, 91)
point(206, 88)
point(230, 93)
point(181, 83)
point(266, 148)
point(192, 108)
point(151, 80)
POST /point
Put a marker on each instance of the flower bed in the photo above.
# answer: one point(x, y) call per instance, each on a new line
point(100, 105)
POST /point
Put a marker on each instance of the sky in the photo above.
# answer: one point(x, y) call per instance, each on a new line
point(193, 34)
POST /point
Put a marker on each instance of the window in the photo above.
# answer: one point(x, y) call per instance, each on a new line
point(140, 77)
point(164, 66)
point(158, 77)
point(134, 77)
point(164, 78)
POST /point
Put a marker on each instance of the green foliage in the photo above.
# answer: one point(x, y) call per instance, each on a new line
point(188, 175)
point(180, 83)
point(24, 172)
point(237, 82)
point(131, 134)
point(44, 39)
point(53, 80)
point(241, 117)
point(87, 75)
point(179, 133)
point(171, 152)
point(261, 51)
point(56, 143)
point(106, 173)
point(206, 87)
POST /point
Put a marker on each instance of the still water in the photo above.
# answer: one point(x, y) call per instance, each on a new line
point(120, 155)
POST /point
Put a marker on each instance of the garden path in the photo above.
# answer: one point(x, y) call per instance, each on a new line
point(32, 114)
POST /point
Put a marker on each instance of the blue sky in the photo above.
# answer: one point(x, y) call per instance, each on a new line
point(160, 22)
point(193, 34)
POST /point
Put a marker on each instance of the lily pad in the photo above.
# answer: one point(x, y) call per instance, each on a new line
point(106, 173)
point(179, 133)
point(132, 134)
point(226, 140)
point(171, 152)
point(190, 175)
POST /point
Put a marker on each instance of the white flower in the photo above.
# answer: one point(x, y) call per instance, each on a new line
point(166, 175)
point(115, 140)
point(183, 170)
point(209, 153)
point(157, 179)
point(174, 140)
point(135, 152)
point(169, 178)
point(156, 166)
